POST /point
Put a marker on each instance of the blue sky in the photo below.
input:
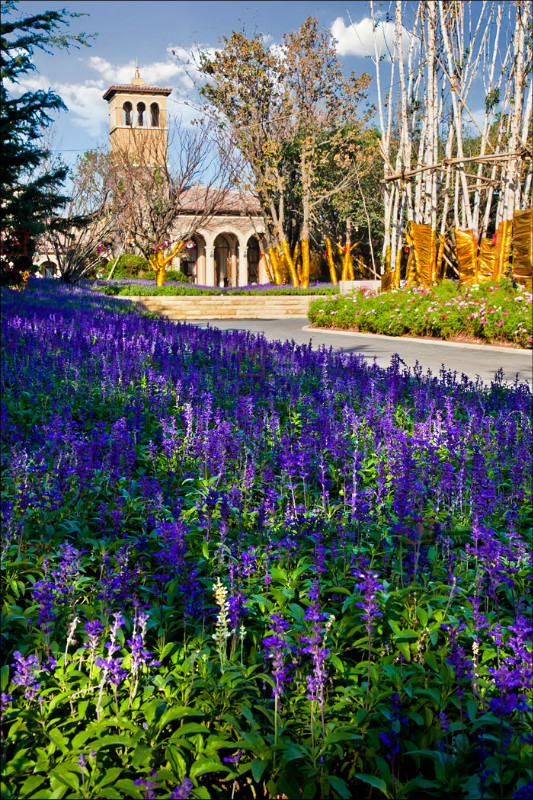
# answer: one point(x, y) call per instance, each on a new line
point(149, 31)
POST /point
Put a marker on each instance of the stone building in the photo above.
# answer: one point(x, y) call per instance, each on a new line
point(138, 120)
point(228, 247)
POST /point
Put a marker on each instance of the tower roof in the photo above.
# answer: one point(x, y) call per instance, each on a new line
point(135, 87)
point(130, 88)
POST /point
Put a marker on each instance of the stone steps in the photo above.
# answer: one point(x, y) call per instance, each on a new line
point(236, 307)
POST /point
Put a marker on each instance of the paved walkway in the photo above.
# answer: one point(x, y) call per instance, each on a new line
point(472, 360)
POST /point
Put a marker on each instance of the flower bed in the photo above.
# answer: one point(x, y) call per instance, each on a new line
point(235, 567)
point(132, 288)
point(492, 312)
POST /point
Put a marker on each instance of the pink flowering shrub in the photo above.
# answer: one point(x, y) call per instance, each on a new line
point(493, 312)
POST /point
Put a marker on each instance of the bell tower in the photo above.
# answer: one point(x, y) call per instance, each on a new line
point(138, 121)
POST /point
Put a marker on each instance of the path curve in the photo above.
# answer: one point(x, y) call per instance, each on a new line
point(471, 360)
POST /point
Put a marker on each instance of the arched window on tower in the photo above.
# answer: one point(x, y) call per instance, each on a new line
point(127, 109)
point(154, 113)
point(141, 108)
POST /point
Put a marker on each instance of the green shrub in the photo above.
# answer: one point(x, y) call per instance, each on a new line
point(128, 266)
point(176, 276)
point(135, 289)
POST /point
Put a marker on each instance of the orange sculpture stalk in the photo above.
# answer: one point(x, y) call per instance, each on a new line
point(275, 266)
point(158, 262)
point(305, 263)
point(329, 253)
point(290, 262)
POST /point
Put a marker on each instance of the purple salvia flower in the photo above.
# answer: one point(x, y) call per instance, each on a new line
point(26, 670)
point(93, 628)
point(276, 648)
point(182, 791)
point(149, 785)
point(5, 700)
point(315, 647)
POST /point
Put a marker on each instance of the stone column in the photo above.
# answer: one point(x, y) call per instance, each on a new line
point(200, 265)
point(242, 278)
point(263, 275)
point(231, 267)
point(209, 263)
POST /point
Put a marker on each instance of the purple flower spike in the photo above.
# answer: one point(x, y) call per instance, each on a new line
point(182, 791)
point(276, 648)
point(26, 670)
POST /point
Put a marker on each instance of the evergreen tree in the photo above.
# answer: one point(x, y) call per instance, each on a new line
point(26, 199)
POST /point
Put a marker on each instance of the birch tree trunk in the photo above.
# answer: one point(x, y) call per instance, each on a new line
point(455, 84)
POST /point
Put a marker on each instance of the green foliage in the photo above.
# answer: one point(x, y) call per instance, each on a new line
point(176, 276)
point(142, 290)
point(29, 191)
point(491, 312)
point(128, 265)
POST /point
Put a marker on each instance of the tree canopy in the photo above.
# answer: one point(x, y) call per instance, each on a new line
point(28, 199)
point(294, 117)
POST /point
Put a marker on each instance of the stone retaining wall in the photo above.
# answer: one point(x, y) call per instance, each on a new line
point(231, 307)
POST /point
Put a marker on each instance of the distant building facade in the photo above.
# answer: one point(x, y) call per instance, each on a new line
point(228, 248)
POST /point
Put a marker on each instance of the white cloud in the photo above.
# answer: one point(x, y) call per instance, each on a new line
point(176, 70)
point(357, 39)
point(83, 100)
point(88, 110)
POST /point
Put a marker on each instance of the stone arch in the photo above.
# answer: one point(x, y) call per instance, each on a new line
point(222, 248)
point(253, 258)
point(141, 109)
point(154, 115)
point(48, 268)
point(127, 113)
point(195, 266)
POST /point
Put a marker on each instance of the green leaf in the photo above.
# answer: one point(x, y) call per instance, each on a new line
point(260, 600)
point(361, 715)
point(5, 677)
point(293, 752)
point(175, 712)
point(297, 611)
point(341, 736)
point(337, 663)
point(278, 575)
point(166, 650)
point(280, 595)
point(110, 776)
point(192, 727)
point(127, 788)
point(404, 649)
point(258, 767)
point(141, 756)
point(117, 741)
point(423, 616)
point(30, 785)
point(154, 709)
point(431, 660)
point(65, 775)
point(59, 740)
point(176, 761)
point(408, 634)
point(340, 786)
point(203, 766)
point(377, 783)
point(471, 709)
